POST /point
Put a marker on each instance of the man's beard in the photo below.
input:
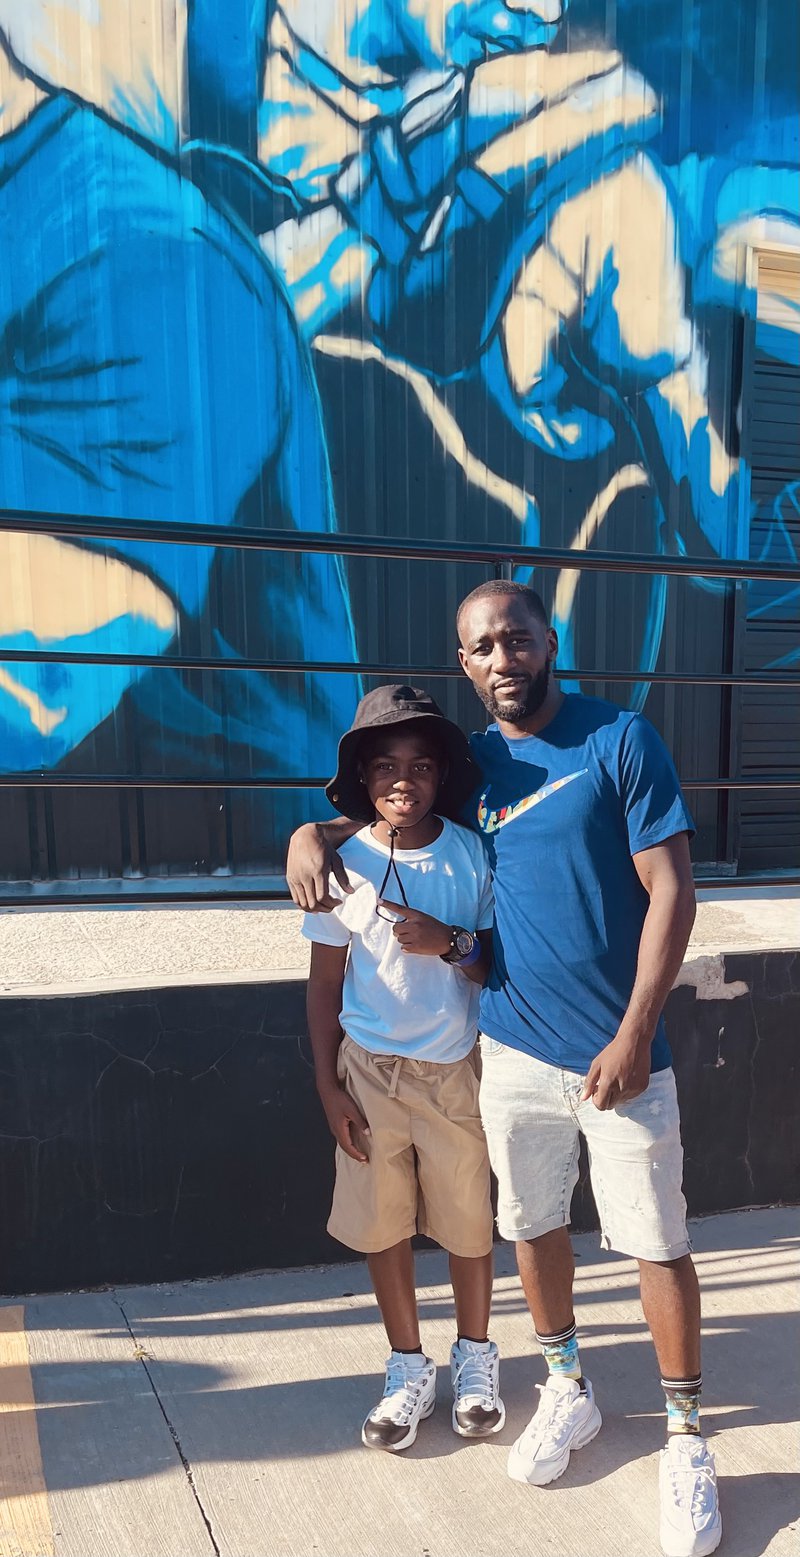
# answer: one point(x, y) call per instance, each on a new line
point(516, 713)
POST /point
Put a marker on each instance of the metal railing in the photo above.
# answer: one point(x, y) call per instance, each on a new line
point(502, 559)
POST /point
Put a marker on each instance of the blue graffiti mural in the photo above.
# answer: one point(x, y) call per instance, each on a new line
point(217, 217)
point(151, 368)
point(512, 210)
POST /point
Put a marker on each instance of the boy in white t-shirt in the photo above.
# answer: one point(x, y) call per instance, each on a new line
point(393, 992)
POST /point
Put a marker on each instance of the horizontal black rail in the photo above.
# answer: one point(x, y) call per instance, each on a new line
point(82, 527)
point(334, 542)
point(668, 678)
point(180, 782)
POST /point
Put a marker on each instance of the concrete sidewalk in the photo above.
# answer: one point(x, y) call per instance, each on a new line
point(223, 1416)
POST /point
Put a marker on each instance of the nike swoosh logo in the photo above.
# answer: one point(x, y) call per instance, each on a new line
point(492, 821)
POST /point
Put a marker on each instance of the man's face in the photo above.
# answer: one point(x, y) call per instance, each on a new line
point(507, 653)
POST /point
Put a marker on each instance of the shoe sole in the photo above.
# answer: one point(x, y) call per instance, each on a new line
point(402, 1443)
point(580, 1441)
point(708, 1544)
point(469, 1432)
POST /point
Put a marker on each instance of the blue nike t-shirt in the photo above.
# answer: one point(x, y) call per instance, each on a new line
point(561, 813)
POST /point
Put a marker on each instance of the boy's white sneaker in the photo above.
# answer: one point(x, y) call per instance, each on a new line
point(691, 1524)
point(566, 1419)
point(409, 1395)
point(475, 1377)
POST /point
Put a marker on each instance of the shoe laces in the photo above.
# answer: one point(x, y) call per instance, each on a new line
point(693, 1483)
point(474, 1378)
point(553, 1409)
point(401, 1392)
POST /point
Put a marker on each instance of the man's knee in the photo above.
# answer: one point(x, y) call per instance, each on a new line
point(681, 1264)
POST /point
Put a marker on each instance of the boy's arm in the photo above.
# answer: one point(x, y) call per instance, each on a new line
point(323, 1006)
point(478, 972)
point(428, 937)
point(311, 860)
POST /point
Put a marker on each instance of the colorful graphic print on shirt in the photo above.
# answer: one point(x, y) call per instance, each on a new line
point(492, 821)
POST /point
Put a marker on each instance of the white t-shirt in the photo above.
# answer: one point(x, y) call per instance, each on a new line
point(396, 1002)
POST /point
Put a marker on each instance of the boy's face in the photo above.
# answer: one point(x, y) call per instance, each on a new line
point(402, 773)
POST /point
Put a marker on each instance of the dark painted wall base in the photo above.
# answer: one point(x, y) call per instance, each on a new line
point(176, 1132)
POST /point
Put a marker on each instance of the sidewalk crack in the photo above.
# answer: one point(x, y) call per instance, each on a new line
point(144, 1358)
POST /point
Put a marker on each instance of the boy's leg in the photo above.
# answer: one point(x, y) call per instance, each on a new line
point(409, 1393)
point(392, 1276)
point(474, 1359)
point(472, 1290)
point(455, 1209)
point(375, 1203)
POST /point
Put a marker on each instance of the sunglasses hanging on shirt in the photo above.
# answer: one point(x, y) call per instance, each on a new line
point(391, 870)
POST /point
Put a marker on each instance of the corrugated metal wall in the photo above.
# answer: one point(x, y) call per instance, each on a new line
point(769, 826)
point(459, 271)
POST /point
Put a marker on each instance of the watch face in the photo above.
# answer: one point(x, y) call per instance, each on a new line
point(464, 943)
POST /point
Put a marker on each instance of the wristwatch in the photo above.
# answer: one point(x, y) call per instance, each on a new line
point(462, 943)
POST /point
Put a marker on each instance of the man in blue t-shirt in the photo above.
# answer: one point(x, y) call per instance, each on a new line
point(582, 814)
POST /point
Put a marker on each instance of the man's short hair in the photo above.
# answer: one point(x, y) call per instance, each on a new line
point(504, 586)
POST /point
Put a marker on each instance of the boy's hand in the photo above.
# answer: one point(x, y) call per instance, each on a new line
point(418, 932)
point(310, 863)
point(345, 1121)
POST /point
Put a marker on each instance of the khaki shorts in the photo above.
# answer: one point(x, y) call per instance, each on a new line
point(428, 1168)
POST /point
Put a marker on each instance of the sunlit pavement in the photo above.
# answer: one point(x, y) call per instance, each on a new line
point(224, 1416)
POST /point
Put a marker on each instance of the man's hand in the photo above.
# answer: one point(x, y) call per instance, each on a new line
point(619, 1073)
point(345, 1121)
point(418, 932)
point(310, 863)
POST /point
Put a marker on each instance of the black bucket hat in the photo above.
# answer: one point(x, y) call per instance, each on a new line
point(399, 705)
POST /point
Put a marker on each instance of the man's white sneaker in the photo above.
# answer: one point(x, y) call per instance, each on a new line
point(566, 1419)
point(409, 1395)
point(475, 1377)
point(691, 1524)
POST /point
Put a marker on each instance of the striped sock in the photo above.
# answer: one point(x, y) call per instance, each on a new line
point(561, 1353)
point(683, 1404)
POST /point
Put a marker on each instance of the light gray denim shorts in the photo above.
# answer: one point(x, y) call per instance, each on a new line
point(533, 1119)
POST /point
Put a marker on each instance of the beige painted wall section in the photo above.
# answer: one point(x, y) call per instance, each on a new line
point(52, 951)
point(126, 57)
point(54, 591)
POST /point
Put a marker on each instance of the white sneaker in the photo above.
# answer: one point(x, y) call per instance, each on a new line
point(475, 1377)
point(409, 1395)
point(566, 1419)
point(691, 1524)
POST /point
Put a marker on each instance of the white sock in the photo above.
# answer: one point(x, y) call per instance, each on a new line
point(414, 1361)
